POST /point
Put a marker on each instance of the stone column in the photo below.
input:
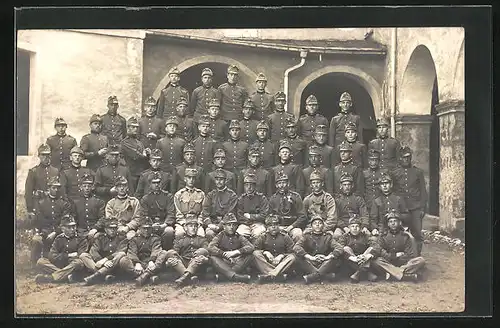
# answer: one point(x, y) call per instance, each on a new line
point(451, 115)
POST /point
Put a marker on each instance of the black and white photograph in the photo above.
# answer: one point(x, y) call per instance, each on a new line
point(240, 170)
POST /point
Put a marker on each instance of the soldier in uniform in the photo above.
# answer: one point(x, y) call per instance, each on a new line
point(231, 253)
point(359, 251)
point(190, 255)
point(264, 180)
point(314, 155)
point(220, 163)
point(126, 209)
point(262, 99)
point(387, 147)
point(320, 137)
point(60, 145)
point(309, 121)
point(217, 203)
point(293, 171)
point(251, 210)
point(203, 94)
point(398, 255)
point(95, 144)
point(318, 255)
point(279, 118)
point(168, 181)
point(410, 184)
point(298, 144)
point(70, 177)
point(358, 149)
point(347, 165)
point(236, 149)
point(114, 126)
point(248, 123)
point(232, 96)
point(188, 200)
point(105, 254)
point(338, 122)
point(36, 182)
point(186, 128)
point(106, 175)
point(288, 206)
point(189, 163)
point(171, 146)
point(48, 213)
point(204, 144)
point(264, 144)
point(151, 128)
point(145, 257)
point(217, 127)
point(273, 254)
point(134, 152)
point(63, 258)
point(170, 94)
point(387, 201)
point(371, 176)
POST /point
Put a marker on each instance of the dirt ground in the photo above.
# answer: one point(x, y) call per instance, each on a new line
point(443, 290)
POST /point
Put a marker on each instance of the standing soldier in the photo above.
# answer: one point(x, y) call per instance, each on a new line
point(114, 126)
point(94, 144)
point(106, 175)
point(60, 145)
point(293, 171)
point(220, 163)
point(236, 149)
point(151, 128)
point(171, 146)
point(387, 147)
point(204, 144)
point(320, 137)
point(288, 206)
point(266, 147)
point(217, 127)
point(232, 96)
point(358, 149)
point(279, 118)
point(170, 94)
point(37, 180)
point(248, 123)
point(372, 176)
point(63, 258)
point(410, 184)
point(298, 144)
point(309, 121)
point(189, 163)
point(346, 165)
point(203, 94)
point(338, 122)
point(186, 128)
point(263, 179)
point(70, 177)
point(217, 203)
point(168, 182)
point(315, 165)
point(230, 252)
point(262, 99)
point(273, 254)
point(134, 152)
point(251, 210)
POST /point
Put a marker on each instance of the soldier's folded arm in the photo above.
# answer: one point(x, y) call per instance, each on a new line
point(94, 249)
point(247, 247)
point(57, 253)
point(299, 247)
point(213, 246)
point(155, 249)
point(363, 213)
point(337, 249)
point(259, 242)
point(264, 210)
point(85, 146)
point(137, 217)
point(383, 252)
point(132, 252)
point(410, 249)
point(288, 244)
point(170, 215)
point(83, 245)
point(301, 220)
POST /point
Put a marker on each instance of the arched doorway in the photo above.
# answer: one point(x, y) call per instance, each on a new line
point(434, 151)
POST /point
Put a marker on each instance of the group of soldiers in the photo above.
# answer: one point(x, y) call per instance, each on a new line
point(224, 183)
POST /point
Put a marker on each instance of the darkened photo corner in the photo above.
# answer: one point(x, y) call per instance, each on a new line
point(196, 171)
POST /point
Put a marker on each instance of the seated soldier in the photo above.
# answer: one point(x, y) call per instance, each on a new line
point(273, 252)
point(398, 254)
point(62, 260)
point(189, 255)
point(251, 210)
point(231, 253)
point(359, 250)
point(105, 253)
point(144, 257)
point(318, 254)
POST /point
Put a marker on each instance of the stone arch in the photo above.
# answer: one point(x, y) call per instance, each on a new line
point(365, 80)
point(418, 83)
point(458, 87)
point(250, 74)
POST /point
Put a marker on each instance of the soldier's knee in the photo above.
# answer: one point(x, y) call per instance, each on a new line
point(201, 232)
point(84, 256)
point(209, 234)
point(168, 232)
point(258, 252)
point(202, 251)
point(131, 234)
point(243, 230)
point(337, 233)
point(171, 253)
point(296, 233)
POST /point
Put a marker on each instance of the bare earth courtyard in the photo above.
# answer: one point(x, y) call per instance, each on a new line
point(443, 290)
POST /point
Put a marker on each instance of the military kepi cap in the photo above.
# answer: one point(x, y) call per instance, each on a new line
point(156, 153)
point(229, 218)
point(172, 120)
point(60, 121)
point(345, 146)
point(114, 149)
point(112, 100)
point(87, 178)
point(204, 119)
point(214, 102)
point(345, 97)
point(190, 218)
point(44, 149)
point(189, 148)
point(261, 77)
point(316, 175)
point(54, 181)
point(95, 118)
point(346, 177)
point(120, 180)
point(262, 125)
point(272, 219)
point(405, 151)
point(219, 173)
point(174, 70)
point(182, 101)
point(233, 69)
point(77, 150)
point(111, 223)
point(392, 213)
point(383, 121)
point(316, 216)
point(311, 100)
point(250, 178)
point(373, 153)
point(68, 220)
point(220, 153)
point(351, 126)
point(191, 172)
point(248, 103)
point(314, 150)
point(207, 71)
point(280, 95)
point(234, 124)
point(285, 144)
point(132, 121)
point(281, 176)
point(384, 177)
point(150, 101)
point(354, 219)
point(321, 129)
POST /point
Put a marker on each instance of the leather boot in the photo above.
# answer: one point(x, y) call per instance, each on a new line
point(330, 277)
point(263, 278)
point(372, 277)
point(90, 280)
point(43, 278)
point(181, 281)
point(410, 277)
point(142, 279)
point(355, 277)
point(241, 278)
point(310, 278)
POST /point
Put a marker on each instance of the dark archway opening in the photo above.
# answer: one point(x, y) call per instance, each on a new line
point(191, 77)
point(22, 102)
point(328, 89)
point(434, 153)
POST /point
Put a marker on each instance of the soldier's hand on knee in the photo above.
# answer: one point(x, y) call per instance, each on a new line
point(268, 256)
point(100, 263)
point(138, 269)
point(375, 232)
point(108, 264)
point(151, 266)
point(172, 261)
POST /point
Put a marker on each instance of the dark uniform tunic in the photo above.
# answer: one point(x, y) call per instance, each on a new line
point(327, 178)
point(391, 243)
point(248, 130)
point(236, 154)
point(219, 203)
point(267, 153)
point(90, 144)
point(289, 208)
point(264, 104)
point(70, 180)
point(277, 126)
point(255, 204)
point(60, 148)
point(359, 244)
point(151, 124)
point(295, 176)
point(132, 150)
point(372, 189)
point(142, 249)
point(89, 212)
point(223, 242)
point(231, 181)
point(201, 98)
point(218, 129)
point(359, 154)
point(264, 183)
point(186, 128)
point(337, 128)
point(186, 245)
point(114, 127)
point(159, 205)
point(232, 99)
point(282, 243)
point(299, 147)
point(172, 150)
point(181, 170)
point(314, 244)
point(410, 184)
point(352, 169)
point(167, 102)
point(37, 179)
point(351, 203)
point(49, 211)
point(328, 155)
point(105, 247)
point(62, 246)
point(105, 177)
point(168, 182)
point(204, 151)
point(382, 205)
point(389, 151)
point(307, 125)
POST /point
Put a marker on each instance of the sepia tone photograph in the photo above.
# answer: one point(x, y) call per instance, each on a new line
point(231, 171)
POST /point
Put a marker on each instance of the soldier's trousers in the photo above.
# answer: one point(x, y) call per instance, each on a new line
point(251, 231)
point(415, 227)
point(59, 274)
point(412, 266)
point(309, 267)
point(40, 245)
point(190, 266)
point(229, 268)
point(89, 263)
point(295, 233)
point(128, 267)
point(167, 237)
point(267, 268)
